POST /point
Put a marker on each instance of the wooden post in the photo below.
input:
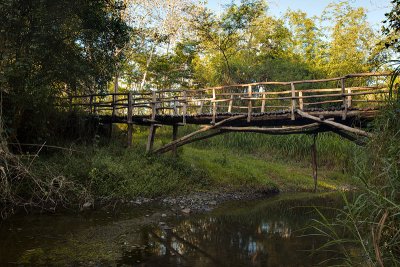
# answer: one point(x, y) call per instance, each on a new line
point(152, 130)
point(200, 111)
point(263, 103)
point(184, 107)
point(293, 105)
point(349, 97)
point(314, 161)
point(344, 114)
point(129, 119)
point(250, 105)
point(201, 107)
point(175, 108)
point(174, 137)
point(214, 105)
point(230, 104)
point(301, 104)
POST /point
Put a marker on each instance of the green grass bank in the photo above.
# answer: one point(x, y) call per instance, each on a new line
point(105, 171)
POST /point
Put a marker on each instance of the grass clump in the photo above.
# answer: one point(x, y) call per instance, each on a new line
point(112, 172)
point(367, 229)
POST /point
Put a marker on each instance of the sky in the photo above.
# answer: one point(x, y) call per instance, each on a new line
point(376, 9)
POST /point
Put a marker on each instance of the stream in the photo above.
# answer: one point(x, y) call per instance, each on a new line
point(270, 232)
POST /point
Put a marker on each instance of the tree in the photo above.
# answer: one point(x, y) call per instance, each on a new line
point(52, 48)
point(391, 27)
point(350, 42)
point(306, 37)
point(157, 26)
point(222, 37)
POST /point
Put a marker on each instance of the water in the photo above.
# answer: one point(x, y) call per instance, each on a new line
point(268, 232)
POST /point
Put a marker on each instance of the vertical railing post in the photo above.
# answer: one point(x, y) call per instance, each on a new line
point(214, 107)
point(184, 107)
point(250, 104)
point(200, 111)
point(175, 108)
point(230, 104)
point(263, 101)
point(349, 98)
point(293, 104)
point(343, 86)
point(129, 118)
point(301, 104)
point(175, 127)
point(174, 137)
point(152, 131)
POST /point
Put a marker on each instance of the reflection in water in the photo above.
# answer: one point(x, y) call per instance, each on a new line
point(257, 233)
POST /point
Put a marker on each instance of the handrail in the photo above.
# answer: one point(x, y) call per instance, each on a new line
point(244, 98)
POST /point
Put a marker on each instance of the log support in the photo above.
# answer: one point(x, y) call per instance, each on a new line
point(150, 139)
point(214, 107)
point(186, 139)
point(129, 119)
point(334, 125)
point(344, 97)
point(175, 128)
point(293, 102)
point(250, 104)
point(153, 128)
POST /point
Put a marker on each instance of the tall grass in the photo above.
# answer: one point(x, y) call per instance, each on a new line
point(333, 151)
point(109, 172)
point(370, 221)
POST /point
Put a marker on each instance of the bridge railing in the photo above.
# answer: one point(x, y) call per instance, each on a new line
point(364, 90)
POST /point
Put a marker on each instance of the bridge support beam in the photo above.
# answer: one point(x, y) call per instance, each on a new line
point(150, 139)
point(190, 137)
point(174, 137)
point(334, 125)
point(130, 125)
point(314, 161)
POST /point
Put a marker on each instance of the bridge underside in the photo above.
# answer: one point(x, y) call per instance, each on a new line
point(307, 121)
point(358, 117)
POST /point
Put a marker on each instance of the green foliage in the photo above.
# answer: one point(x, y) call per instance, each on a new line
point(392, 26)
point(352, 40)
point(53, 48)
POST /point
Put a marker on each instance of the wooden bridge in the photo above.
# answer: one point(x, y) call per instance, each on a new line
point(343, 105)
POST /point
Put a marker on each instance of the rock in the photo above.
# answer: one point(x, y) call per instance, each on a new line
point(164, 215)
point(212, 202)
point(186, 211)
